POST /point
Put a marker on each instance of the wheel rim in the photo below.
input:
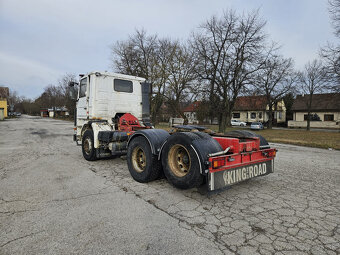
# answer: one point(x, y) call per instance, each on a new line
point(88, 146)
point(179, 160)
point(138, 159)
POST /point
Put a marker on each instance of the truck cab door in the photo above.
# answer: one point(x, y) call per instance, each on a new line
point(82, 99)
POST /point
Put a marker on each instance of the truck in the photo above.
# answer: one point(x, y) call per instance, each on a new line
point(113, 119)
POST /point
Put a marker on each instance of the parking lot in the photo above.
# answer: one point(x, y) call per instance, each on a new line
point(52, 201)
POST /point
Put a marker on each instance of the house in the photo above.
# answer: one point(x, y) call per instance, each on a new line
point(54, 112)
point(255, 108)
point(325, 111)
point(247, 109)
point(191, 112)
point(4, 93)
point(44, 113)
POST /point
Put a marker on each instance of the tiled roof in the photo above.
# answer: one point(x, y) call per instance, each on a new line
point(193, 107)
point(252, 103)
point(320, 102)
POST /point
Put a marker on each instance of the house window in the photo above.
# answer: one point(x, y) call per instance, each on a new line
point(260, 115)
point(253, 115)
point(236, 115)
point(123, 86)
point(312, 117)
point(82, 90)
point(328, 117)
point(280, 115)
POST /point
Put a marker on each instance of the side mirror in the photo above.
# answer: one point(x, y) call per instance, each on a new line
point(73, 91)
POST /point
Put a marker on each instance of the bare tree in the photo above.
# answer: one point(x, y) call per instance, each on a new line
point(312, 80)
point(13, 99)
point(181, 74)
point(227, 51)
point(334, 10)
point(144, 56)
point(63, 86)
point(135, 56)
point(163, 55)
point(274, 80)
point(331, 52)
point(331, 57)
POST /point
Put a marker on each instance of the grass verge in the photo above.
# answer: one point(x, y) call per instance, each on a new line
point(317, 139)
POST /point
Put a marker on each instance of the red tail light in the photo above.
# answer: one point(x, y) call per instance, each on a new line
point(216, 163)
point(272, 153)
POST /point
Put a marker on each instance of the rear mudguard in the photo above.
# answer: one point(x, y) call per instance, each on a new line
point(202, 144)
point(155, 137)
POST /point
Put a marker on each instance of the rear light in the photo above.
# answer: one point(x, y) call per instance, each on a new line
point(273, 153)
point(216, 163)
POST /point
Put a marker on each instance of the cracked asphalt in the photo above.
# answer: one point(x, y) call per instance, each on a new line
point(52, 201)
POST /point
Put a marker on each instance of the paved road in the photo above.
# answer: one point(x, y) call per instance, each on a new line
point(52, 201)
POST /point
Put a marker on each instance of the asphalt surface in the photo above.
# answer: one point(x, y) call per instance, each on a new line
point(52, 201)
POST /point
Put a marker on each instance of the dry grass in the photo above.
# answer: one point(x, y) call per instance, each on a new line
point(318, 139)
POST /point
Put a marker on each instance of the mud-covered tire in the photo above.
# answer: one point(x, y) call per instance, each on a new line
point(87, 146)
point(143, 165)
point(183, 156)
point(245, 133)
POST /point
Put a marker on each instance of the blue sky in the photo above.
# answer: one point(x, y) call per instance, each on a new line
point(40, 40)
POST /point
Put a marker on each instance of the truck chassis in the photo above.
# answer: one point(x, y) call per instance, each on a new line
point(113, 119)
point(188, 156)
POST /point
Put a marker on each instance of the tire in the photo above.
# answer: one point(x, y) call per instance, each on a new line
point(244, 133)
point(143, 165)
point(182, 155)
point(87, 146)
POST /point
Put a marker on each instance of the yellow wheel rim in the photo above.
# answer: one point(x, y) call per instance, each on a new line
point(138, 159)
point(179, 160)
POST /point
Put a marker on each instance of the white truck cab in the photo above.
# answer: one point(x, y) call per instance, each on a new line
point(104, 97)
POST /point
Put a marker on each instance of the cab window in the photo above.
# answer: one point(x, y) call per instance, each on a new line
point(122, 86)
point(82, 89)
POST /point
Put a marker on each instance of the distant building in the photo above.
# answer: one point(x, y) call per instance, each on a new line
point(247, 109)
point(255, 108)
point(325, 111)
point(4, 94)
point(54, 112)
point(191, 112)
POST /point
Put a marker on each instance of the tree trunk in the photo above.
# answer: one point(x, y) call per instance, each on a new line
point(225, 121)
point(270, 117)
point(228, 118)
point(211, 106)
point(308, 121)
point(309, 111)
point(222, 124)
point(155, 109)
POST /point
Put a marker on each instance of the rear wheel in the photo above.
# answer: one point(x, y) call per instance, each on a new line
point(179, 160)
point(143, 165)
point(183, 158)
point(87, 145)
